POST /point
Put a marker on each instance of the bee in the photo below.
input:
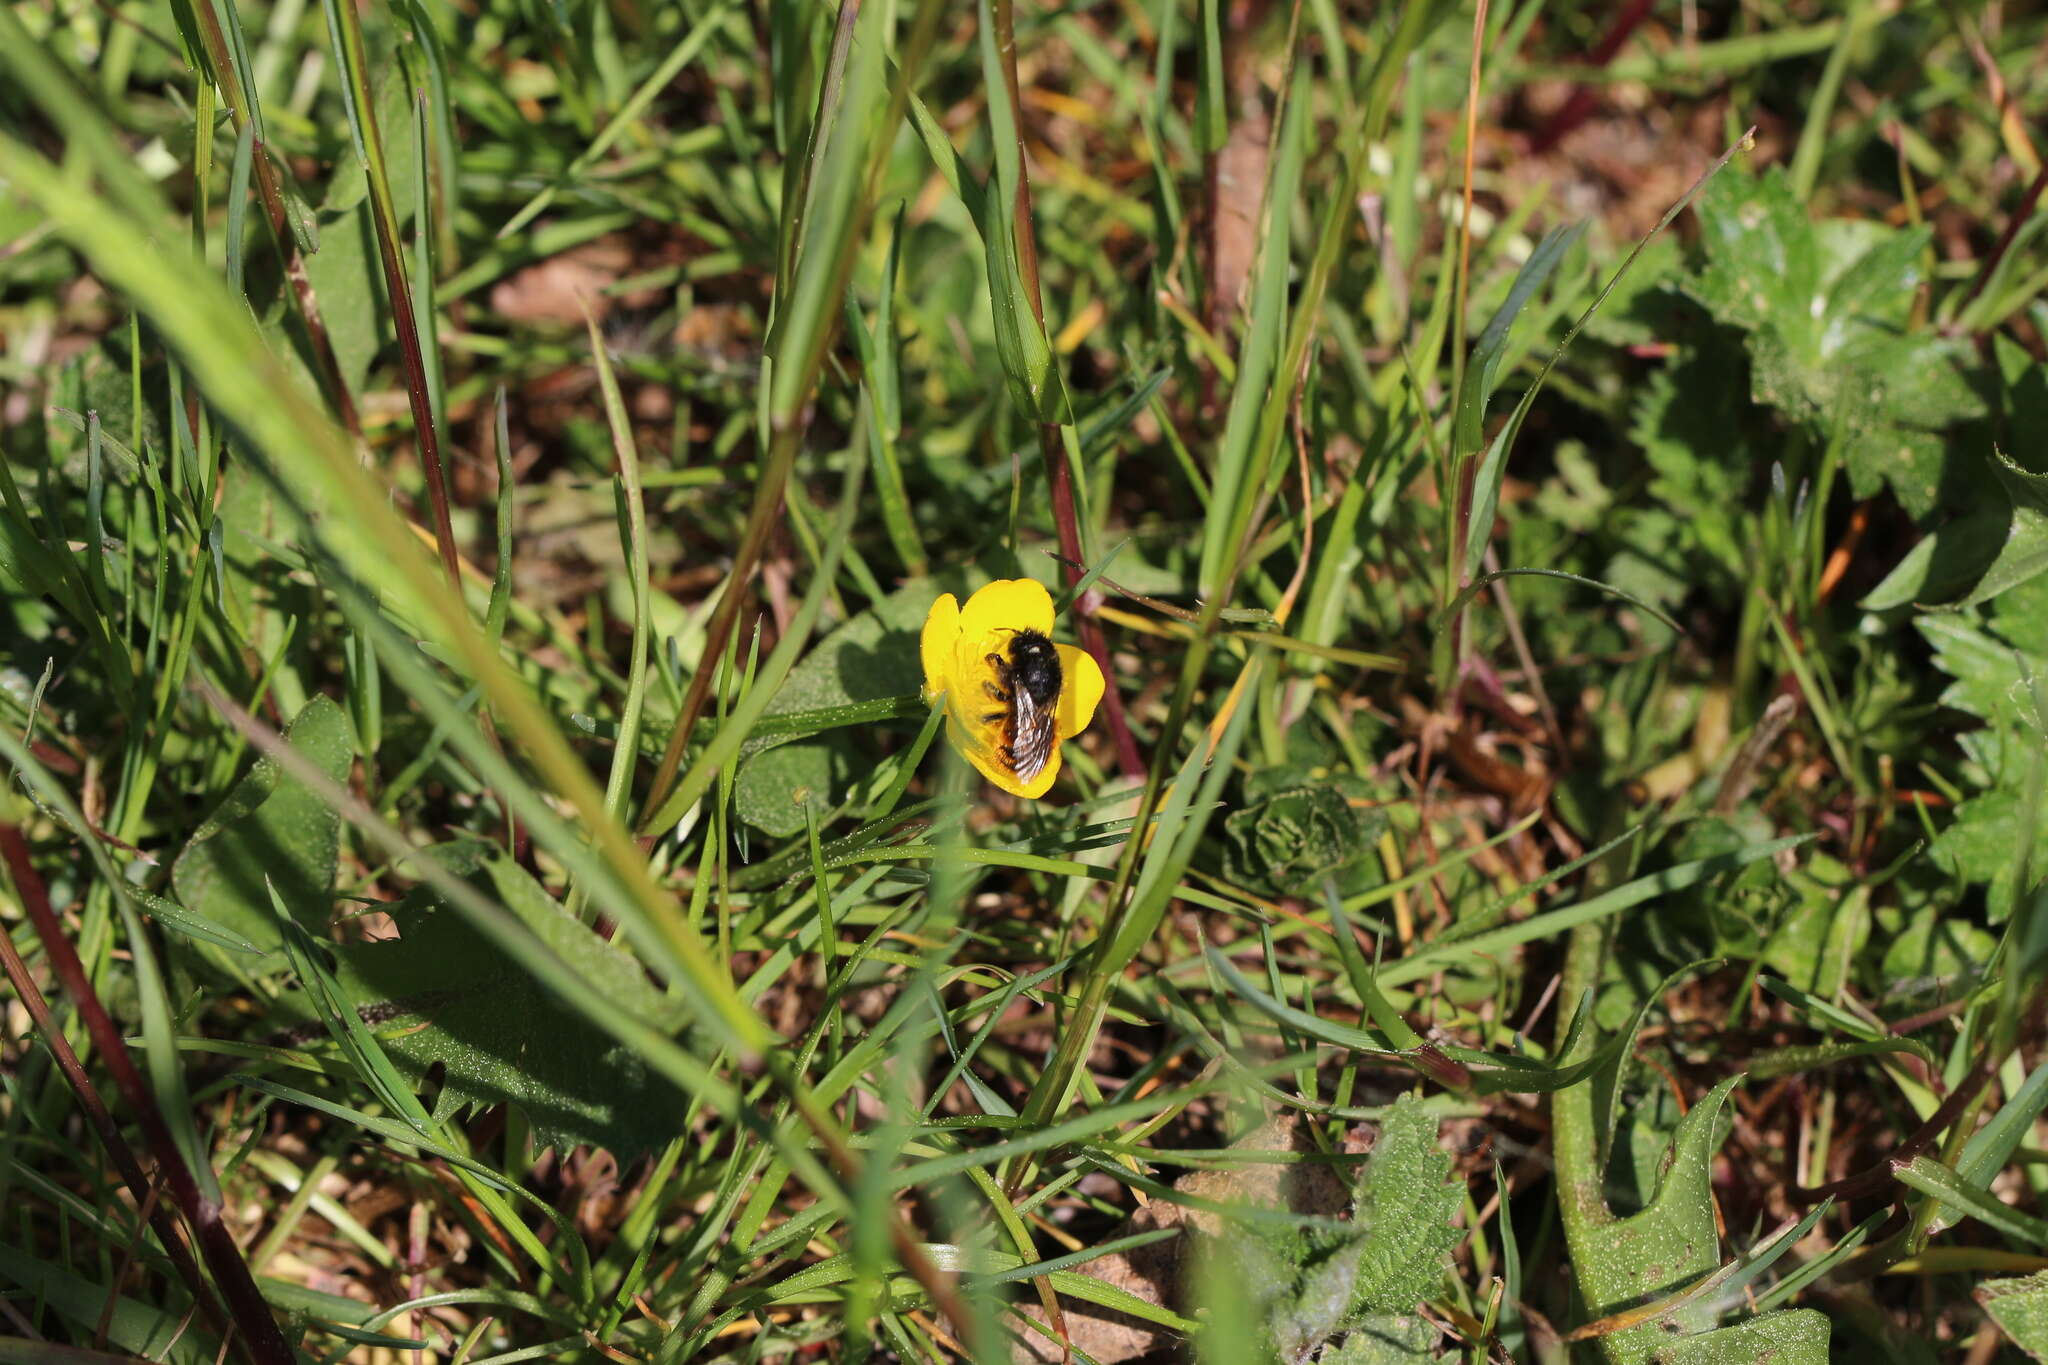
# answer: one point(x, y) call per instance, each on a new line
point(1028, 685)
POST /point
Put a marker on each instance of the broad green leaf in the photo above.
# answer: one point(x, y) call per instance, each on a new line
point(1991, 660)
point(870, 660)
point(1977, 847)
point(776, 785)
point(442, 993)
point(1663, 1249)
point(349, 282)
point(2024, 553)
point(2020, 1308)
point(1789, 1337)
point(1941, 565)
point(157, 1332)
point(1386, 1339)
point(1304, 1314)
point(1610, 1076)
point(1935, 950)
point(1298, 1287)
point(871, 657)
point(271, 826)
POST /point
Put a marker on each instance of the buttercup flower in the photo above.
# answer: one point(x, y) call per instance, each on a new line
point(992, 660)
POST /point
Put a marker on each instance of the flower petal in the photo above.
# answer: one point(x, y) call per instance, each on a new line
point(941, 633)
point(988, 623)
point(989, 763)
point(1082, 691)
point(1008, 604)
point(958, 646)
point(972, 741)
point(977, 718)
point(1039, 785)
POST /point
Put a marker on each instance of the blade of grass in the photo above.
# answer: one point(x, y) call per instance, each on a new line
point(345, 27)
point(848, 163)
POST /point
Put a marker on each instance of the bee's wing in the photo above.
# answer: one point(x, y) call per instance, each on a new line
point(1031, 735)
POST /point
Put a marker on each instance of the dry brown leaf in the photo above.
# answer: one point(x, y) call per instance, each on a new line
point(555, 291)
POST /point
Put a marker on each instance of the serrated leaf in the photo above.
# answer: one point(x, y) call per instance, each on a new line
point(1762, 262)
point(1406, 1207)
point(2023, 555)
point(1788, 1337)
point(271, 825)
point(1990, 673)
point(1823, 314)
point(1318, 1302)
point(1977, 847)
point(443, 993)
point(2021, 618)
point(2020, 1308)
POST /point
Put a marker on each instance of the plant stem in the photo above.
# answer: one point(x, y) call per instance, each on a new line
point(240, 110)
point(418, 392)
point(1059, 475)
point(788, 423)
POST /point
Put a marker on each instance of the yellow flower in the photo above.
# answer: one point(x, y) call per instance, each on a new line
point(962, 647)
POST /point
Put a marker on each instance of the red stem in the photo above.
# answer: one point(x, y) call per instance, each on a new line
point(2019, 218)
point(1058, 476)
point(218, 53)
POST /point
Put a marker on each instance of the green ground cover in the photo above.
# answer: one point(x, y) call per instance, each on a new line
point(504, 860)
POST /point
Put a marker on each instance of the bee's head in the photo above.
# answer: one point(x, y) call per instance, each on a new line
point(1030, 645)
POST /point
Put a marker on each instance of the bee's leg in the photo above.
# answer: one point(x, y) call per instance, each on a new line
point(994, 716)
point(998, 693)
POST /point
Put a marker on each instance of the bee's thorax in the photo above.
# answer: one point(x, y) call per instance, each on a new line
point(1035, 667)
